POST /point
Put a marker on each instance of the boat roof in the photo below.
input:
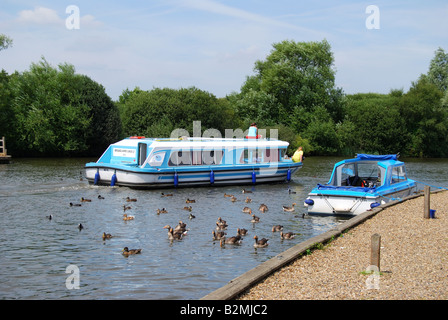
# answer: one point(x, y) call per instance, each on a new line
point(188, 142)
point(382, 160)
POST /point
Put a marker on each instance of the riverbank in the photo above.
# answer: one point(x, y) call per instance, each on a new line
point(414, 260)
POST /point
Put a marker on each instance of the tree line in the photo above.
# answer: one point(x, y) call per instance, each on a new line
point(53, 111)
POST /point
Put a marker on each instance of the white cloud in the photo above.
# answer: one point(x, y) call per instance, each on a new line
point(40, 15)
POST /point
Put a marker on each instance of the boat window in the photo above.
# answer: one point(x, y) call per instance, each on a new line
point(210, 157)
point(197, 157)
point(157, 159)
point(142, 153)
point(347, 174)
point(180, 158)
point(270, 155)
point(398, 174)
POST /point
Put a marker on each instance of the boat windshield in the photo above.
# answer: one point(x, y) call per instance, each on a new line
point(358, 174)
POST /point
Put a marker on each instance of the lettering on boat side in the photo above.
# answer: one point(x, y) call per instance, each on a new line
point(233, 309)
point(72, 281)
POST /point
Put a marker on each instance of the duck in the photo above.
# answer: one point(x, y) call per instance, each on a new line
point(127, 218)
point(126, 207)
point(221, 226)
point(190, 201)
point(75, 204)
point(263, 207)
point(287, 235)
point(277, 228)
point(163, 210)
point(188, 208)
point(128, 252)
point(100, 197)
point(233, 199)
point(247, 210)
point(85, 200)
point(106, 236)
point(218, 235)
point(227, 195)
point(246, 191)
point(241, 232)
point(131, 199)
point(291, 192)
point(255, 219)
point(191, 216)
point(181, 227)
point(260, 243)
point(221, 222)
point(80, 226)
point(248, 200)
point(166, 195)
point(289, 209)
point(50, 217)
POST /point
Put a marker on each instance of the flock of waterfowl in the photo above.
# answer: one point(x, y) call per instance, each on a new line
point(218, 234)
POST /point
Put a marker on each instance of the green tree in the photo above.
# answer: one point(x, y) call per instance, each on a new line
point(5, 42)
point(438, 70)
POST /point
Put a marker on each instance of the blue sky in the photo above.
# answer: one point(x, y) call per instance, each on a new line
point(213, 44)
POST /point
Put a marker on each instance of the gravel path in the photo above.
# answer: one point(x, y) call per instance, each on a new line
point(414, 260)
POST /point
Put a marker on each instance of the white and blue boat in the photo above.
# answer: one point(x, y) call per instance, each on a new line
point(360, 184)
point(140, 162)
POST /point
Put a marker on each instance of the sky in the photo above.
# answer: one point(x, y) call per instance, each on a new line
point(213, 44)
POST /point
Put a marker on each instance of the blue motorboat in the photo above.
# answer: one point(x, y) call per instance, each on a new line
point(141, 162)
point(360, 184)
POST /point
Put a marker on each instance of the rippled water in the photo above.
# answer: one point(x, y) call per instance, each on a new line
point(36, 251)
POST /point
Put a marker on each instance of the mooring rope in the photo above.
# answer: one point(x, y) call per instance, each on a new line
point(432, 186)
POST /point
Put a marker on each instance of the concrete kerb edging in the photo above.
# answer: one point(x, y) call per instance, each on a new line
point(255, 275)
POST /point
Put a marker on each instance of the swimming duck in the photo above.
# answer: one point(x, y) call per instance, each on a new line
point(188, 208)
point(221, 226)
point(191, 216)
point(127, 218)
point(287, 235)
point(163, 210)
point(130, 200)
point(221, 222)
point(263, 207)
point(126, 208)
point(85, 200)
point(291, 192)
point(255, 219)
point(233, 199)
point(80, 226)
point(100, 197)
point(227, 195)
point(50, 217)
point(128, 252)
point(173, 235)
point(190, 201)
point(218, 235)
point(247, 210)
point(289, 209)
point(260, 243)
point(248, 200)
point(166, 195)
point(277, 228)
point(180, 228)
point(106, 236)
point(75, 204)
point(246, 191)
point(241, 232)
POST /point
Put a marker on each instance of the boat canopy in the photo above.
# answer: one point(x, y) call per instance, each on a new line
point(363, 156)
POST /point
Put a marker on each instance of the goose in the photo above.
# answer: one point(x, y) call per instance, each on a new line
point(233, 240)
point(163, 210)
point(287, 235)
point(106, 236)
point(289, 209)
point(75, 204)
point(85, 200)
point(260, 243)
point(247, 210)
point(128, 252)
point(277, 228)
point(246, 191)
point(190, 201)
point(255, 219)
point(218, 235)
point(241, 232)
point(127, 218)
point(100, 197)
point(263, 207)
point(130, 200)
point(248, 200)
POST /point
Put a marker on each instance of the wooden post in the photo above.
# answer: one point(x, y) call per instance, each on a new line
point(375, 250)
point(427, 202)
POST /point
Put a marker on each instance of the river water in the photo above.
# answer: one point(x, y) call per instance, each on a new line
point(36, 251)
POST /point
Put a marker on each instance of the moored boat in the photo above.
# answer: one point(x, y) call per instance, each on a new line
point(360, 184)
point(141, 162)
